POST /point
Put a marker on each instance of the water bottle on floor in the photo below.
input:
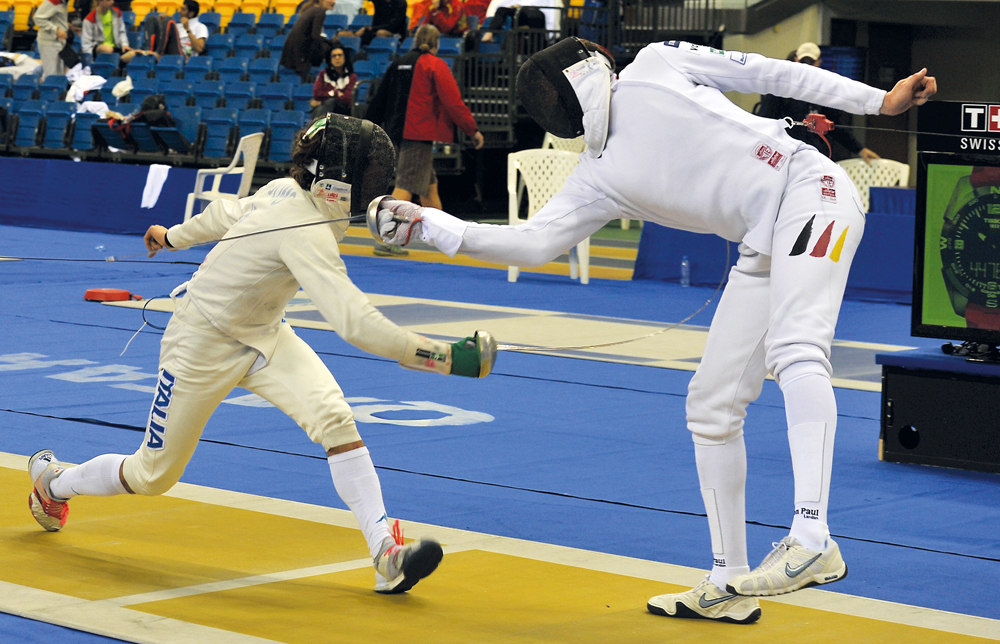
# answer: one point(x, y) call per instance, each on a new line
point(685, 271)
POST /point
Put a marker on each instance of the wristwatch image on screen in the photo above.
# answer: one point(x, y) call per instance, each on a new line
point(970, 248)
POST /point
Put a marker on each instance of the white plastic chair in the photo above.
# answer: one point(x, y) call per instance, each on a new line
point(879, 173)
point(544, 171)
point(248, 148)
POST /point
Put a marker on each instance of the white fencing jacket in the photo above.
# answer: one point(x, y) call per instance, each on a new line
point(244, 285)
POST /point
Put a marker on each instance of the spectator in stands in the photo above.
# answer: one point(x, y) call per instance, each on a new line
point(104, 32)
point(448, 16)
point(305, 45)
point(425, 107)
point(334, 87)
point(777, 107)
point(389, 20)
point(52, 21)
point(191, 32)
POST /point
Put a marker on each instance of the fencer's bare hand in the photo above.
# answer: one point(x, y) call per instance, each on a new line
point(478, 140)
point(913, 90)
point(156, 239)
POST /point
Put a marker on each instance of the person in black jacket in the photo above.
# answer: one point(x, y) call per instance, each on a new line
point(389, 20)
point(776, 107)
point(306, 47)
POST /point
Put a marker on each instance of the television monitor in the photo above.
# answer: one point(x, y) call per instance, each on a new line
point(956, 285)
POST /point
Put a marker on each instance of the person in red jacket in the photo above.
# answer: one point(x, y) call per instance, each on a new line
point(417, 103)
point(448, 16)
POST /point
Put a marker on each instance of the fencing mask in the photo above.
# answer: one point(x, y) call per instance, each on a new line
point(566, 88)
point(355, 163)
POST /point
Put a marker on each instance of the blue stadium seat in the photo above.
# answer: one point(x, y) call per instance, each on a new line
point(367, 70)
point(128, 17)
point(141, 88)
point(263, 70)
point(382, 50)
point(5, 112)
point(270, 24)
point(233, 69)
point(248, 45)
point(183, 136)
point(361, 20)
point(238, 94)
point(290, 22)
point(196, 67)
point(143, 138)
point(449, 46)
point(83, 138)
point(170, 66)
point(253, 121)
point(208, 93)
point(302, 94)
point(353, 43)
point(105, 65)
point(6, 84)
point(274, 96)
point(30, 114)
point(406, 45)
point(219, 122)
point(176, 91)
point(218, 46)
point(52, 87)
point(284, 125)
point(212, 20)
point(140, 66)
point(275, 45)
point(58, 116)
point(241, 24)
point(25, 88)
point(333, 23)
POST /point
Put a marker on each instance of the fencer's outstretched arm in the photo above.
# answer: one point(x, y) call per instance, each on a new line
point(565, 221)
point(212, 224)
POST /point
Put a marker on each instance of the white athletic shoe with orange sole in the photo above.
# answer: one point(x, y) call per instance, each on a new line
point(49, 511)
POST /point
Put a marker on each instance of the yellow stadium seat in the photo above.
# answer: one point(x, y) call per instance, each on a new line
point(170, 7)
point(22, 9)
point(226, 9)
point(141, 8)
point(284, 7)
point(255, 7)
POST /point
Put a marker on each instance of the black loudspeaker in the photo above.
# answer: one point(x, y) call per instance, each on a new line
point(940, 418)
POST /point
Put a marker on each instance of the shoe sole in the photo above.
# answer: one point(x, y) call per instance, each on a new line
point(686, 613)
point(809, 584)
point(421, 563)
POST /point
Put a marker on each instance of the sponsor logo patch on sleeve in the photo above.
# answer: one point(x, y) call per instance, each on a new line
point(738, 57)
point(769, 155)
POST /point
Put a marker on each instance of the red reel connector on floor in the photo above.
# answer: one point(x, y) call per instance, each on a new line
point(109, 295)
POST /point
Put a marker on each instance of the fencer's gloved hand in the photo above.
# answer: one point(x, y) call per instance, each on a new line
point(398, 221)
point(472, 357)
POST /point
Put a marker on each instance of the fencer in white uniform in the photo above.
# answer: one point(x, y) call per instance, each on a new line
point(665, 145)
point(228, 330)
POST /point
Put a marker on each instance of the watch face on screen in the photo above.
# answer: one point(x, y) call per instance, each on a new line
point(970, 249)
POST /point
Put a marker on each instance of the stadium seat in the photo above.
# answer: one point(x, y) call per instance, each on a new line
point(286, 8)
point(141, 88)
point(140, 66)
point(196, 67)
point(406, 45)
point(255, 8)
point(241, 24)
point(52, 88)
point(381, 50)
point(6, 84)
point(30, 115)
point(128, 17)
point(226, 9)
point(143, 138)
point(169, 67)
point(183, 136)
point(302, 94)
point(449, 46)
point(105, 65)
point(233, 69)
point(212, 20)
point(25, 88)
point(274, 96)
point(238, 94)
point(270, 24)
point(176, 91)
point(208, 93)
point(263, 70)
point(366, 70)
point(361, 20)
point(5, 119)
point(275, 45)
point(248, 45)
point(218, 46)
point(219, 122)
point(333, 23)
point(83, 138)
point(58, 116)
point(254, 121)
point(353, 43)
point(284, 125)
point(143, 8)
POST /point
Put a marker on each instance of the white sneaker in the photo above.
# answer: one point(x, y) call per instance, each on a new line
point(398, 568)
point(789, 567)
point(707, 601)
point(49, 511)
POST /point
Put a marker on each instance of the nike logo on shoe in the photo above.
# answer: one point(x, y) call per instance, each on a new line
point(795, 572)
point(705, 602)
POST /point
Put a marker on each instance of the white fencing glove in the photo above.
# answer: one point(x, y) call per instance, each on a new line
point(394, 222)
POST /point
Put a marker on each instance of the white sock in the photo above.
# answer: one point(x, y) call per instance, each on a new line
point(357, 484)
point(722, 473)
point(96, 477)
point(811, 412)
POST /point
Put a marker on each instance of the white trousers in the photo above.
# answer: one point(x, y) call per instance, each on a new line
point(199, 367)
